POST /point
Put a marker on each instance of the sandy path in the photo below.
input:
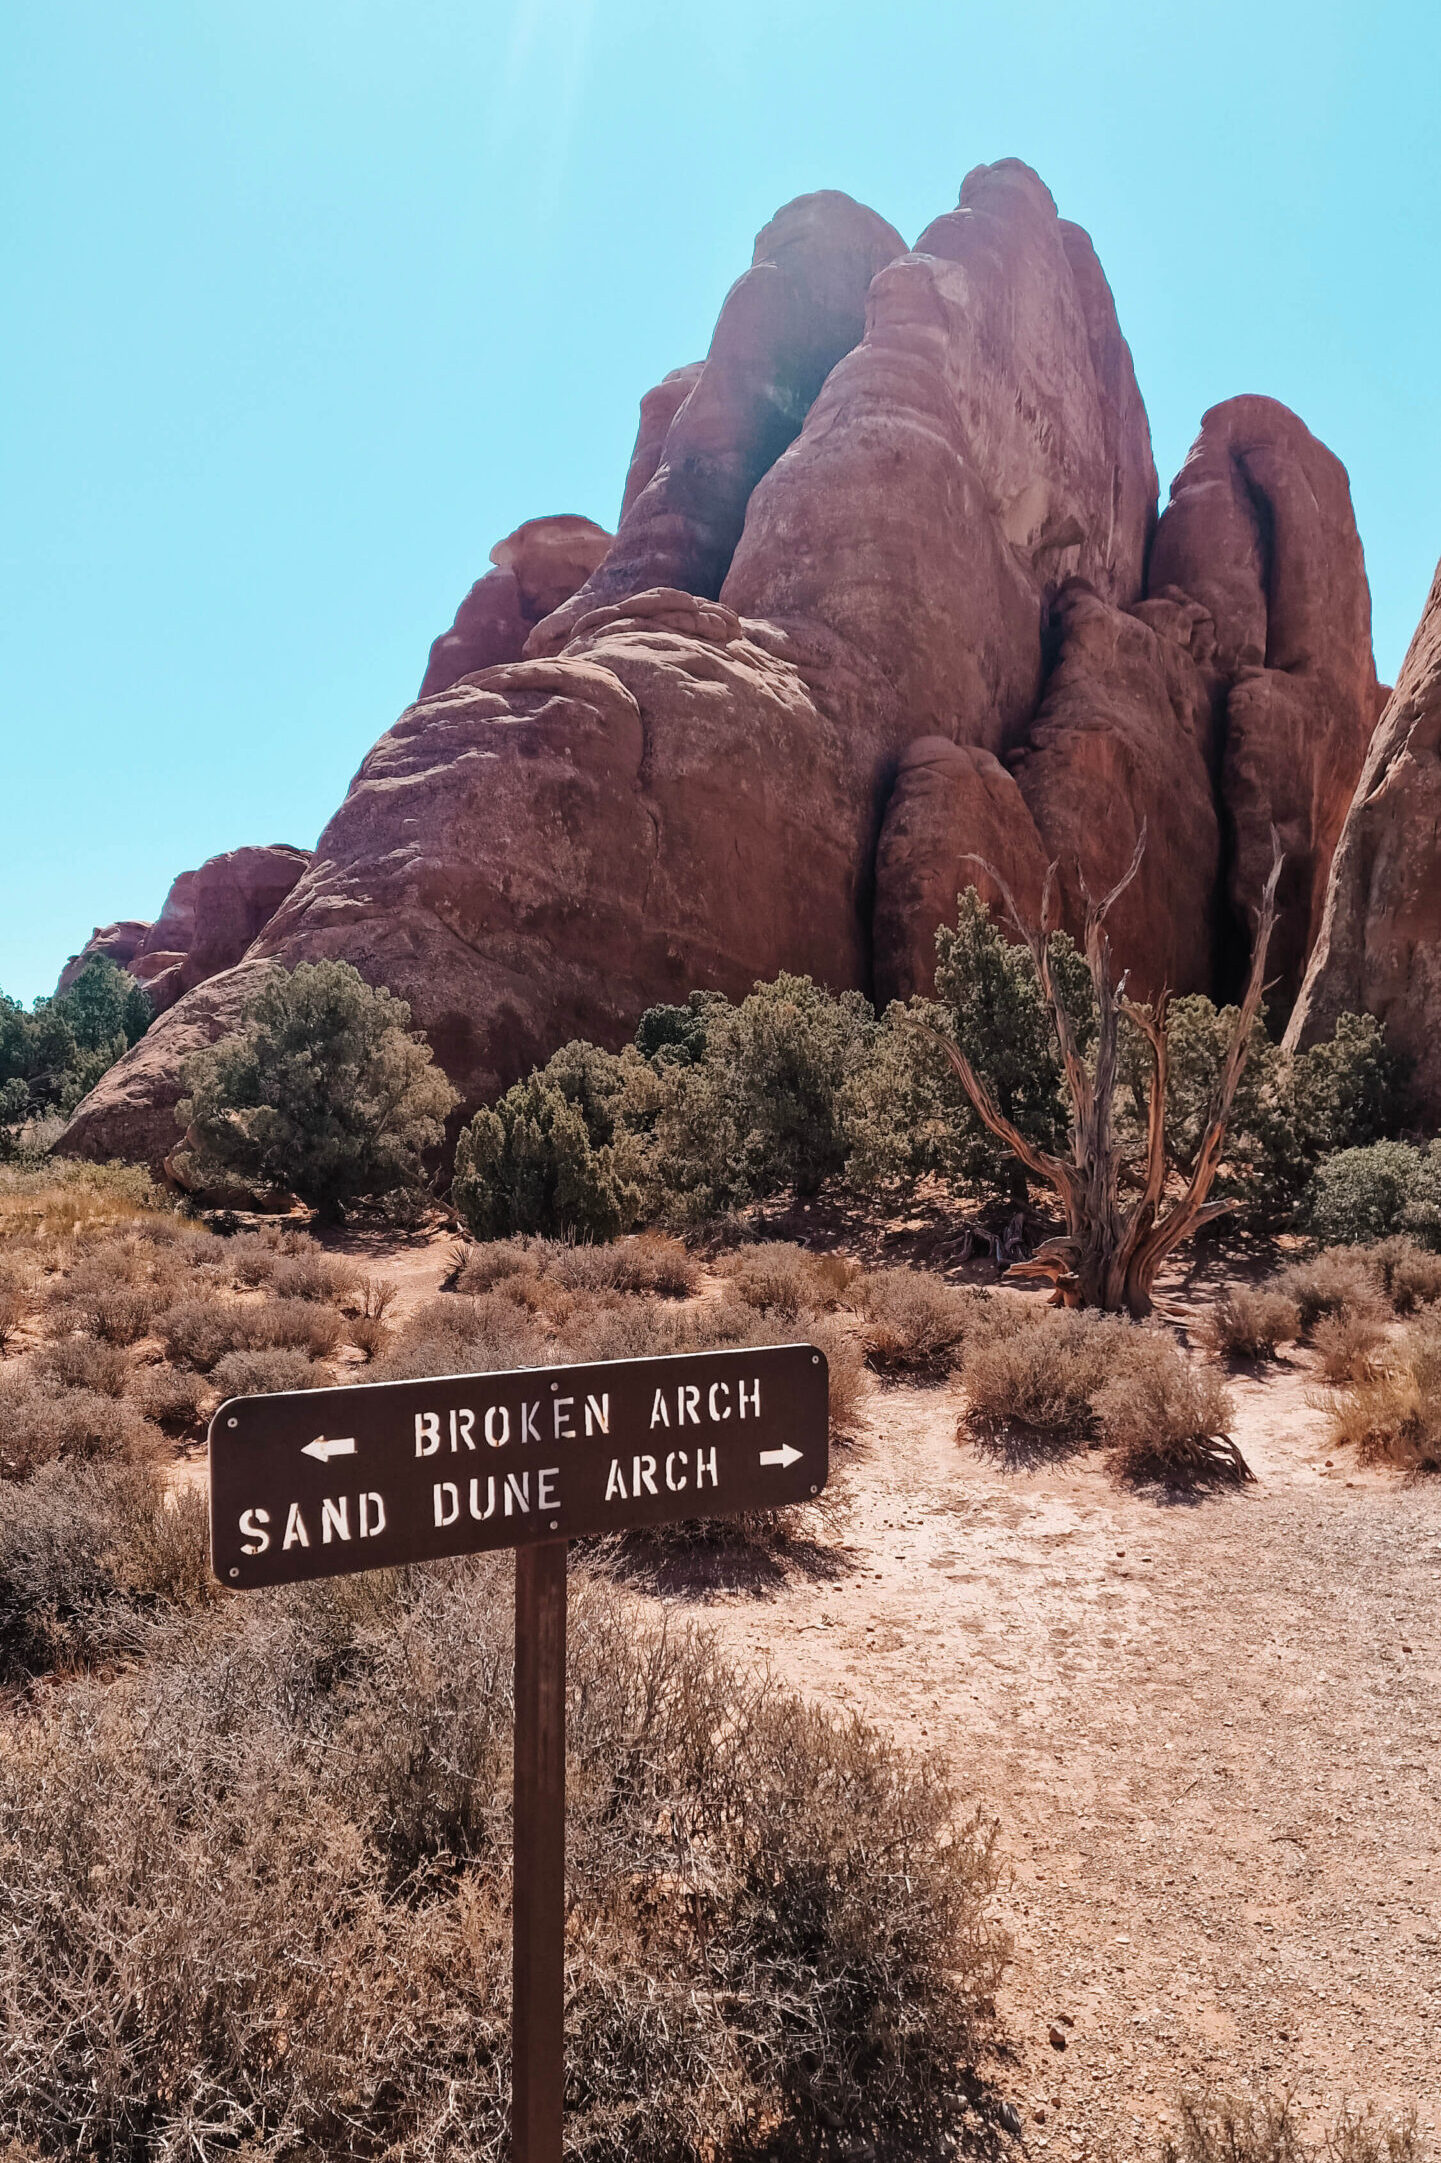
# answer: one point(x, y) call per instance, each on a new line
point(1211, 1735)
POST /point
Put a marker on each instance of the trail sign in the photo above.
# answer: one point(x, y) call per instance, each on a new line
point(322, 1482)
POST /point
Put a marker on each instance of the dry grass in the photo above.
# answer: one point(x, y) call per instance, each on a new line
point(89, 1553)
point(1266, 2129)
point(199, 1332)
point(1347, 1343)
point(915, 1323)
point(61, 1202)
point(650, 1262)
point(1163, 1417)
point(1251, 1324)
point(1392, 1413)
point(1410, 1276)
point(1329, 1283)
point(174, 1397)
point(83, 1363)
point(779, 1922)
point(266, 1371)
point(1039, 1381)
point(368, 1334)
point(39, 1421)
point(787, 1279)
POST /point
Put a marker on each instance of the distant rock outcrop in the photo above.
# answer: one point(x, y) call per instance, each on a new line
point(1379, 949)
point(209, 918)
point(877, 602)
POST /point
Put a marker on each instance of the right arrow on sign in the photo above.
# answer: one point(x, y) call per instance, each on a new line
point(785, 1455)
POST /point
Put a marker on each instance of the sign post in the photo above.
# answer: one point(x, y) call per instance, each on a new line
point(323, 1483)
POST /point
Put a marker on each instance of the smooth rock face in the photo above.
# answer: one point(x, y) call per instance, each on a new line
point(1260, 531)
point(875, 604)
point(537, 567)
point(1379, 949)
point(954, 812)
point(1125, 739)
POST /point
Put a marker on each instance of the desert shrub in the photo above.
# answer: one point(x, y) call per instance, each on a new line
point(1409, 1276)
point(173, 1397)
point(779, 1921)
point(321, 1091)
point(1250, 1323)
point(314, 1276)
point(16, 1296)
point(197, 1332)
point(1346, 1343)
point(786, 1278)
point(1162, 1417)
point(650, 1262)
point(302, 1324)
point(1041, 1379)
point(39, 1421)
point(61, 1201)
point(1329, 1283)
point(914, 1321)
point(529, 1164)
point(906, 1113)
point(368, 1333)
point(1367, 1194)
point(450, 1335)
point(86, 1552)
point(1266, 2129)
point(253, 1259)
point(481, 1267)
point(1392, 1414)
point(265, 1371)
point(83, 1363)
point(371, 1298)
point(849, 1382)
point(763, 1111)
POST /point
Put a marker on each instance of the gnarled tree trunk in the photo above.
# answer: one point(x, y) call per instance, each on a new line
point(1113, 1247)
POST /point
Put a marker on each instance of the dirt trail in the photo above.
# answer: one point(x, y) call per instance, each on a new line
point(1210, 1733)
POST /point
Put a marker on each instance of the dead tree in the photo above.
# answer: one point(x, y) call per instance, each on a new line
point(1113, 1244)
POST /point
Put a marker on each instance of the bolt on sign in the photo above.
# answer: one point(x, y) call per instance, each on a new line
point(319, 1483)
point(323, 1482)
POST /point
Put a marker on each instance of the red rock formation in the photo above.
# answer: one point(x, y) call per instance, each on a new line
point(768, 728)
point(1124, 739)
point(209, 918)
point(537, 567)
point(954, 810)
point(1261, 532)
point(1379, 949)
point(119, 943)
point(783, 327)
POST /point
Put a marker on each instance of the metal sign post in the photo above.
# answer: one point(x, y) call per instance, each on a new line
point(326, 1482)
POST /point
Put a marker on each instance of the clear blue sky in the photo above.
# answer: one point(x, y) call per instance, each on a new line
point(309, 301)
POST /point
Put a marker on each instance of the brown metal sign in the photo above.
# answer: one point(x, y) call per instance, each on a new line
point(319, 1483)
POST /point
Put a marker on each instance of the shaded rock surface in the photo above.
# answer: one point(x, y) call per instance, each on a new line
point(878, 599)
point(1379, 949)
point(1260, 531)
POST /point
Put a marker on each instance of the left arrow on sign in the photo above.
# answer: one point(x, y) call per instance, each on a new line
point(343, 1447)
point(785, 1455)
